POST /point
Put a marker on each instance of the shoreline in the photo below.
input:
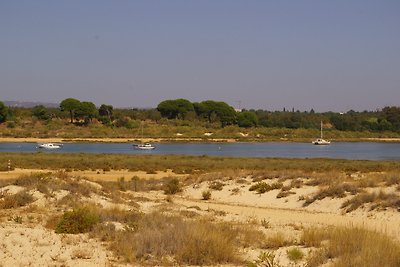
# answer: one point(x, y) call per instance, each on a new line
point(111, 140)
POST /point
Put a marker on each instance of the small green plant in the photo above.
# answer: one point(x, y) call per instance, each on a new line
point(206, 194)
point(295, 254)
point(17, 219)
point(266, 259)
point(265, 223)
point(79, 220)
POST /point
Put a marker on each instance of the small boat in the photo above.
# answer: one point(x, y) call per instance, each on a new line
point(145, 146)
point(50, 146)
point(321, 141)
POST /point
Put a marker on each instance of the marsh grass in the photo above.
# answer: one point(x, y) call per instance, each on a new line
point(352, 246)
point(193, 164)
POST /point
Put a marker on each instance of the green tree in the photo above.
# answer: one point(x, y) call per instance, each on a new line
point(41, 112)
point(71, 105)
point(392, 115)
point(173, 109)
point(86, 111)
point(216, 110)
point(247, 119)
point(106, 110)
point(3, 112)
point(105, 114)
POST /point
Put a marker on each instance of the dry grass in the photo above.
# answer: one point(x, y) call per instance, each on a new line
point(17, 200)
point(333, 191)
point(278, 240)
point(193, 242)
point(352, 247)
point(375, 200)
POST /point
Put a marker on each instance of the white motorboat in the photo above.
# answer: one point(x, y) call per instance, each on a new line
point(145, 146)
point(321, 141)
point(50, 146)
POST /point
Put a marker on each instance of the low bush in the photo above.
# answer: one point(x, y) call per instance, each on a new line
point(262, 187)
point(79, 220)
point(295, 254)
point(216, 185)
point(172, 186)
point(17, 200)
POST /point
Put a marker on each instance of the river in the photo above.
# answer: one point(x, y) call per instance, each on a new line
point(340, 150)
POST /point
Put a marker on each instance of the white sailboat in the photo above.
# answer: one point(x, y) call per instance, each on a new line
point(145, 146)
point(321, 141)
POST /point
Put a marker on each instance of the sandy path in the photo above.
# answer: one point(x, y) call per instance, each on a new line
point(281, 216)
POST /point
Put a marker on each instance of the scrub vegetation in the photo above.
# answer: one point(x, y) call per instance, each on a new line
point(112, 212)
point(183, 120)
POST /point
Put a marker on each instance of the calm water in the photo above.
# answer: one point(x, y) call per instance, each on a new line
point(341, 150)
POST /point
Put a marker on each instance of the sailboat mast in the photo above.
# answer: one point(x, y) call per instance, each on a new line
point(321, 130)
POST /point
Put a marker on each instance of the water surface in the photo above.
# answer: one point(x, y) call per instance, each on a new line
point(340, 150)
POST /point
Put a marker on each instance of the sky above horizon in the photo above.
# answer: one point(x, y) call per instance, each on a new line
point(321, 55)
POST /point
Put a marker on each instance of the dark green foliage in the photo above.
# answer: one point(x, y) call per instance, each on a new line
point(175, 109)
point(86, 111)
point(247, 119)
point(216, 111)
point(3, 112)
point(392, 115)
point(41, 112)
point(79, 220)
point(71, 105)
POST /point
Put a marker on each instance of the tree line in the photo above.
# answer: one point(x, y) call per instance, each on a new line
point(211, 112)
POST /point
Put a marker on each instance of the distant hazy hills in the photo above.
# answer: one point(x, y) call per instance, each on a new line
point(23, 104)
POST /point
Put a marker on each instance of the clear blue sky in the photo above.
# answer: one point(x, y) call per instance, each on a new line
point(327, 55)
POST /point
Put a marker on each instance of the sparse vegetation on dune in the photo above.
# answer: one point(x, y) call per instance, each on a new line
point(142, 222)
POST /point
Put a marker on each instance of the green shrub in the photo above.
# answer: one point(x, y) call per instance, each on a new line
point(172, 186)
point(79, 220)
point(295, 254)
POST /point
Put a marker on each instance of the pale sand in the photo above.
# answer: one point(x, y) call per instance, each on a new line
point(289, 210)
